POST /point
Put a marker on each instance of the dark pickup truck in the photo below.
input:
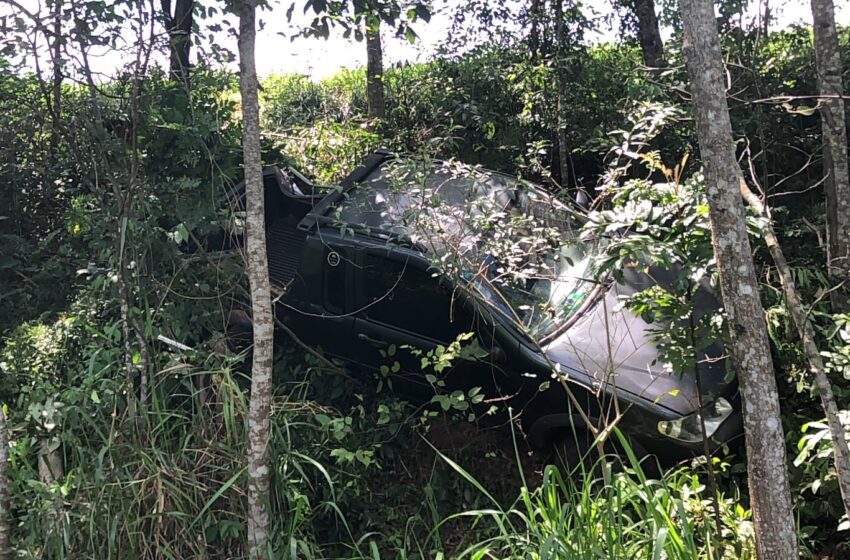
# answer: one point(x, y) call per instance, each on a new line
point(411, 254)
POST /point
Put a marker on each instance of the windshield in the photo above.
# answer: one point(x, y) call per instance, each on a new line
point(541, 303)
point(513, 243)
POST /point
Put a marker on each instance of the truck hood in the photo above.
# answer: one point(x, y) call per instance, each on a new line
point(610, 346)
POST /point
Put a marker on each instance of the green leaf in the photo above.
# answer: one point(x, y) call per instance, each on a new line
point(224, 488)
point(804, 110)
point(182, 233)
point(423, 12)
point(383, 414)
point(7, 261)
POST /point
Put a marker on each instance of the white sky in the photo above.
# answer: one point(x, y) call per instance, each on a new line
point(320, 58)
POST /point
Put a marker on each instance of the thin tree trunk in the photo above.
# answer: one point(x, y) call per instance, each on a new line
point(57, 78)
point(534, 30)
point(124, 310)
point(561, 120)
point(51, 469)
point(179, 27)
point(5, 533)
point(767, 468)
point(649, 35)
point(807, 335)
point(374, 73)
point(834, 127)
point(578, 193)
point(144, 363)
point(765, 18)
point(563, 147)
point(258, 275)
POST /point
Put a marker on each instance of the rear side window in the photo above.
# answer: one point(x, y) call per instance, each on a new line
point(400, 295)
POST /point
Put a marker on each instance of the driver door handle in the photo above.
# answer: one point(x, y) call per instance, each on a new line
point(373, 341)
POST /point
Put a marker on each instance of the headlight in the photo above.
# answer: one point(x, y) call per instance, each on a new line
point(689, 429)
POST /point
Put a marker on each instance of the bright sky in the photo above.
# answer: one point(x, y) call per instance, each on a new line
point(319, 58)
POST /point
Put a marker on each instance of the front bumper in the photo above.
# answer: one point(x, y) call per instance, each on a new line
point(729, 433)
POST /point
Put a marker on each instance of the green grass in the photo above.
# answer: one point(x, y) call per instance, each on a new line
point(573, 515)
point(178, 491)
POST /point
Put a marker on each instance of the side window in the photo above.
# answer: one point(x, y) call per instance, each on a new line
point(412, 299)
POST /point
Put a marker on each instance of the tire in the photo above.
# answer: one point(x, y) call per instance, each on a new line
point(578, 457)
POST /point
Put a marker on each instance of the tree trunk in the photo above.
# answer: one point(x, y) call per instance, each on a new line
point(57, 79)
point(837, 185)
point(561, 108)
point(258, 275)
point(374, 73)
point(534, 30)
point(560, 79)
point(807, 335)
point(5, 533)
point(767, 468)
point(765, 18)
point(124, 310)
point(51, 469)
point(179, 27)
point(649, 34)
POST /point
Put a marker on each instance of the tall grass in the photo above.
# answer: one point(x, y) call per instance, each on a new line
point(177, 492)
point(171, 486)
point(574, 515)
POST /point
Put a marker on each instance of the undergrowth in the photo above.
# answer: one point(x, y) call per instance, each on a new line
point(573, 514)
point(356, 473)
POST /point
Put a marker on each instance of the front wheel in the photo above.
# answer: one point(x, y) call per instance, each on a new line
point(578, 453)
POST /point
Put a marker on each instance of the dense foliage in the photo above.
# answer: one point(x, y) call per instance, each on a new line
point(356, 471)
